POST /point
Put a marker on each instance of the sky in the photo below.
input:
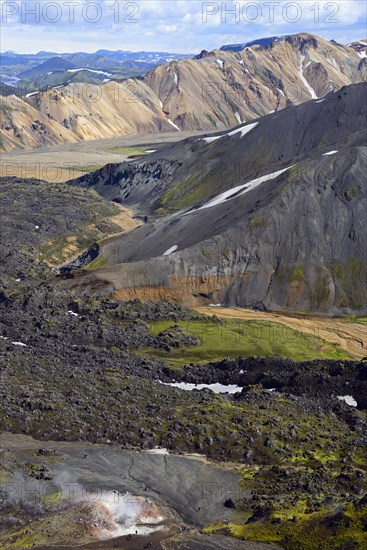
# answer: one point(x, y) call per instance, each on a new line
point(172, 26)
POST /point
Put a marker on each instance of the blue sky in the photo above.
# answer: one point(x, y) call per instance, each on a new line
point(174, 26)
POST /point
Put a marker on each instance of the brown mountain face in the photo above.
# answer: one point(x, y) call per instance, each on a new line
point(212, 91)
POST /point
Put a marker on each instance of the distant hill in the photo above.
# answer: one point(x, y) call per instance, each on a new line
point(5, 89)
point(51, 65)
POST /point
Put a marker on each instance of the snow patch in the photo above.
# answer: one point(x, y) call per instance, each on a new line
point(281, 92)
point(349, 400)
point(235, 191)
point(220, 63)
point(32, 94)
point(170, 250)
point(211, 139)
point(244, 130)
point(237, 115)
point(304, 81)
point(158, 451)
point(216, 388)
point(334, 62)
point(73, 313)
point(320, 101)
point(89, 70)
point(173, 124)
point(329, 153)
point(150, 151)
point(19, 344)
point(215, 305)
point(176, 79)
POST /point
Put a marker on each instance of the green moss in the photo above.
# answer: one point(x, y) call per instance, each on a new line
point(255, 223)
point(359, 320)
point(352, 192)
point(296, 274)
point(248, 473)
point(85, 168)
point(211, 120)
point(299, 529)
point(322, 291)
point(237, 338)
point(128, 151)
point(98, 263)
point(350, 278)
point(280, 274)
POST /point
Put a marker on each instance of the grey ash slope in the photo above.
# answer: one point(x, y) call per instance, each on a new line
point(293, 242)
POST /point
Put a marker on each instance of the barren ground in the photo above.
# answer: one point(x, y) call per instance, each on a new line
point(64, 162)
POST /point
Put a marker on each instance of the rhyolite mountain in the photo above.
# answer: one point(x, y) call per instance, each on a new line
point(269, 215)
point(212, 91)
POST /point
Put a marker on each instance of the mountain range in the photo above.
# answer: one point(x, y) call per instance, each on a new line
point(45, 70)
point(212, 91)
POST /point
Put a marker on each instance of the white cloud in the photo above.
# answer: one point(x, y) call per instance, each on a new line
point(176, 25)
point(168, 28)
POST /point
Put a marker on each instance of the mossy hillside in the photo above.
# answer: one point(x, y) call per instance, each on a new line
point(96, 404)
point(213, 178)
point(237, 338)
point(351, 277)
point(61, 525)
point(305, 503)
point(330, 527)
point(97, 263)
point(58, 221)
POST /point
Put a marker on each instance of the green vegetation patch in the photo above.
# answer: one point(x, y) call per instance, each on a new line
point(237, 338)
point(86, 168)
point(296, 274)
point(128, 151)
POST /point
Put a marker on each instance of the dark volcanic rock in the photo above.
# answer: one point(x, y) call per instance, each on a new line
point(294, 242)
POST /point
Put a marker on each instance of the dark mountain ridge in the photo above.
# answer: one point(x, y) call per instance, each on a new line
point(273, 219)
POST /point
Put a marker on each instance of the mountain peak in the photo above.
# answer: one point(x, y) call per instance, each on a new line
point(268, 42)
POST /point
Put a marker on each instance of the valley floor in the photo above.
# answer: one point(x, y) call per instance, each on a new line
point(345, 334)
point(61, 163)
